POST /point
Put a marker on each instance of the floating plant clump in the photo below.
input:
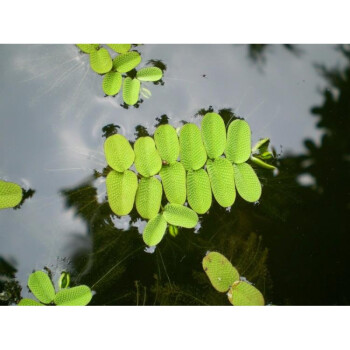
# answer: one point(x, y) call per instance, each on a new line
point(10, 194)
point(192, 167)
point(117, 69)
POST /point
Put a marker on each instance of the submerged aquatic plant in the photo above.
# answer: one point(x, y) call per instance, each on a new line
point(182, 180)
point(10, 194)
point(42, 287)
point(225, 278)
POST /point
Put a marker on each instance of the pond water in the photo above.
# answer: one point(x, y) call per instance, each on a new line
point(292, 244)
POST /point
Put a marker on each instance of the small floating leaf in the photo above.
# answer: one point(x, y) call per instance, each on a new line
point(100, 61)
point(88, 48)
point(29, 302)
point(120, 48)
point(154, 230)
point(179, 215)
point(247, 183)
point(220, 271)
point(192, 151)
point(149, 74)
point(147, 159)
point(244, 294)
point(76, 296)
point(173, 230)
point(214, 135)
point(222, 182)
point(112, 83)
point(261, 163)
point(148, 197)
point(119, 153)
point(174, 182)
point(126, 62)
point(41, 286)
point(121, 190)
point(167, 143)
point(238, 146)
point(64, 280)
point(10, 194)
point(131, 90)
point(198, 191)
point(261, 146)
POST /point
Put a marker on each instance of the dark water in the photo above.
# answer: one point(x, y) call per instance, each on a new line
point(293, 244)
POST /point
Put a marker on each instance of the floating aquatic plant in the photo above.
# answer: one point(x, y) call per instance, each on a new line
point(42, 288)
point(225, 278)
point(10, 194)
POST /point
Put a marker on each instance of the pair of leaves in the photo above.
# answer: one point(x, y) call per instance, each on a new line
point(224, 277)
point(10, 194)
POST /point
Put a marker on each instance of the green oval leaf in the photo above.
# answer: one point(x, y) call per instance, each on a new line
point(198, 191)
point(120, 48)
point(214, 135)
point(111, 84)
point(238, 145)
point(167, 143)
point(41, 286)
point(121, 191)
point(247, 183)
point(149, 74)
point(88, 48)
point(131, 91)
point(192, 151)
point(100, 61)
point(147, 159)
point(64, 280)
point(76, 296)
point(119, 153)
point(29, 302)
point(261, 163)
point(154, 230)
point(126, 62)
point(10, 194)
point(180, 215)
point(148, 197)
point(220, 271)
point(174, 182)
point(244, 294)
point(222, 181)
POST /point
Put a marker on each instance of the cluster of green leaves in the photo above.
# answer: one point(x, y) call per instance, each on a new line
point(184, 180)
point(115, 69)
point(42, 287)
point(225, 278)
point(10, 194)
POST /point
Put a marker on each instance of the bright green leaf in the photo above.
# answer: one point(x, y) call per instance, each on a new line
point(41, 286)
point(214, 135)
point(121, 191)
point(220, 271)
point(10, 194)
point(261, 146)
point(247, 183)
point(198, 191)
point(76, 296)
point(244, 294)
point(173, 230)
point(238, 145)
point(179, 215)
point(100, 61)
point(261, 163)
point(29, 302)
point(149, 74)
point(154, 230)
point(112, 82)
point(120, 48)
point(126, 62)
point(147, 159)
point(167, 143)
point(64, 280)
point(131, 91)
point(88, 48)
point(119, 153)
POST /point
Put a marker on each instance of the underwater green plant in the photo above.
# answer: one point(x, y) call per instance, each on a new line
point(41, 286)
point(10, 194)
point(116, 69)
point(225, 278)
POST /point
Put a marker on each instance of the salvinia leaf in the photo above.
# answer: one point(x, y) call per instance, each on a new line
point(29, 302)
point(120, 48)
point(247, 183)
point(220, 271)
point(64, 280)
point(174, 182)
point(222, 182)
point(76, 296)
point(244, 294)
point(121, 190)
point(261, 146)
point(149, 74)
point(10, 194)
point(112, 83)
point(131, 91)
point(88, 48)
point(180, 215)
point(41, 286)
point(148, 197)
point(167, 143)
point(119, 153)
point(198, 191)
point(261, 163)
point(214, 135)
point(126, 62)
point(238, 146)
point(147, 159)
point(100, 61)
point(154, 230)
point(192, 151)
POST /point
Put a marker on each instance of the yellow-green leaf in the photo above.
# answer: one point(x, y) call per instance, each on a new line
point(41, 286)
point(147, 159)
point(126, 62)
point(112, 82)
point(261, 163)
point(179, 215)
point(88, 48)
point(198, 191)
point(29, 302)
point(167, 143)
point(10, 194)
point(154, 230)
point(100, 61)
point(131, 91)
point(120, 48)
point(76, 296)
point(244, 294)
point(149, 74)
point(247, 183)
